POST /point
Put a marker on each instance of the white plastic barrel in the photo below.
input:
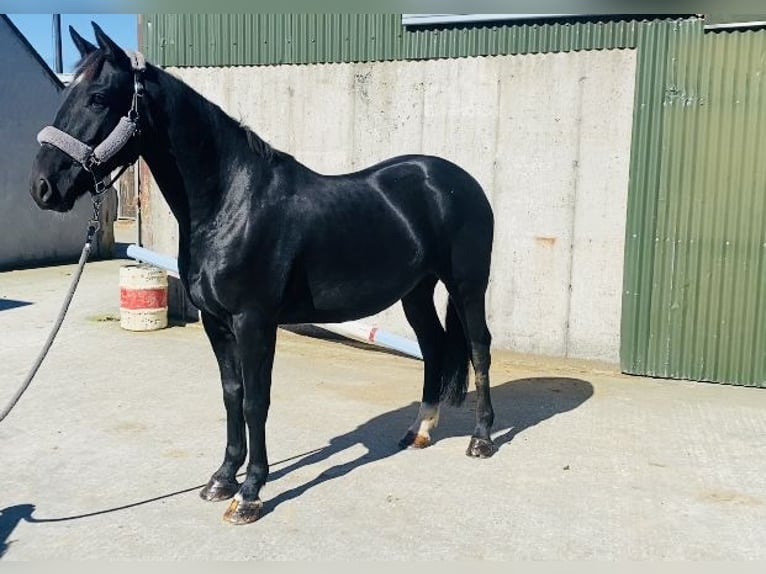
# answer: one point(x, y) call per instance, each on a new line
point(143, 298)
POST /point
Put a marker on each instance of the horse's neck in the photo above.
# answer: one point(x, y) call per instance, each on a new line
point(184, 148)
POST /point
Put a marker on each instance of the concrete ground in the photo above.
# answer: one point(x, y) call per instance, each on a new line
point(104, 455)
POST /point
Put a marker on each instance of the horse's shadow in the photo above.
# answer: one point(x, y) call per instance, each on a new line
point(519, 405)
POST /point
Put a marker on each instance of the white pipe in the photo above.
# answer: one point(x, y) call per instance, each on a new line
point(169, 264)
point(351, 329)
point(369, 334)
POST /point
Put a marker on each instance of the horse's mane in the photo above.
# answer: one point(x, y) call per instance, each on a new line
point(259, 146)
point(254, 142)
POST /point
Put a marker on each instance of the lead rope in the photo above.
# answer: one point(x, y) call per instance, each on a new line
point(93, 227)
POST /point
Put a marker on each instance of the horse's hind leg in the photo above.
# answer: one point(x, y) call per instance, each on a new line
point(474, 318)
point(223, 484)
point(471, 254)
point(421, 313)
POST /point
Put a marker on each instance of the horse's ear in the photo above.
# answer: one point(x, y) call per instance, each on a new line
point(112, 50)
point(82, 45)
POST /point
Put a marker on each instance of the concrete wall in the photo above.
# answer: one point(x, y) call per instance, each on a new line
point(548, 136)
point(29, 99)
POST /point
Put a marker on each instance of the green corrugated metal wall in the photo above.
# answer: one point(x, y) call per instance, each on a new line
point(694, 302)
point(255, 39)
point(695, 243)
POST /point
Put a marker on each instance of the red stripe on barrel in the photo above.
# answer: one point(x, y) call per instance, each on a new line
point(154, 298)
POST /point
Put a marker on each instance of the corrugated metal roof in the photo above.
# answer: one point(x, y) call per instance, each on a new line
point(695, 300)
point(261, 39)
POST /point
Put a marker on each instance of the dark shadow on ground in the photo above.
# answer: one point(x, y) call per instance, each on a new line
point(6, 304)
point(519, 404)
point(9, 519)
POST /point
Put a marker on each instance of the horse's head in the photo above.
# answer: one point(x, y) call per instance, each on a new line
point(101, 93)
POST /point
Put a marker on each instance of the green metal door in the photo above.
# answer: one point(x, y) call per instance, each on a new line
point(694, 295)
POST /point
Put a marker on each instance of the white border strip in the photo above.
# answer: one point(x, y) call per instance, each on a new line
point(429, 19)
point(735, 25)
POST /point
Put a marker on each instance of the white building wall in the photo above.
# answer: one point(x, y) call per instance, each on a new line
point(29, 98)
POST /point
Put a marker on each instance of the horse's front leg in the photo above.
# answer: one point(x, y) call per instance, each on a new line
point(223, 484)
point(256, 339)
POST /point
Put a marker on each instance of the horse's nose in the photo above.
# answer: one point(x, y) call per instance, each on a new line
point(42, 191)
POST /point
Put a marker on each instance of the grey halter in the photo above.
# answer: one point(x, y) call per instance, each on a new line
point(123, 132)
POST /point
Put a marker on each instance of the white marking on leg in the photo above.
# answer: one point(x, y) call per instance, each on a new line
point(426, 421)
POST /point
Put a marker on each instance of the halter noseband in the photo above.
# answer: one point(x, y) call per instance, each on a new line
point(123, 132)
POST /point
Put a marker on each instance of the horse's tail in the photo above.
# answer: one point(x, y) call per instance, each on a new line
point(456, 356)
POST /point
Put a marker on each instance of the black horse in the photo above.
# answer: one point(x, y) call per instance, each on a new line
point(266, 241)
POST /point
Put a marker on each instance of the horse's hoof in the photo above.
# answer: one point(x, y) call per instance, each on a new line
point(216, 490)
point(414, 440)
point(243, 511)
point(481, 448)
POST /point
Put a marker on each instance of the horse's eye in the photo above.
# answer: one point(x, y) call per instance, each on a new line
point(97, 100)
